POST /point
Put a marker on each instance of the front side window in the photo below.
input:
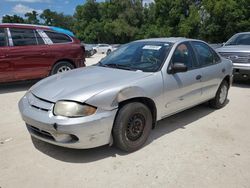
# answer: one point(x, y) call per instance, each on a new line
point(204, 53)
point(239, 39)
point(184, 54)
point(58, 37)
point(147, 56)
point(2, 37)
point(23, 37)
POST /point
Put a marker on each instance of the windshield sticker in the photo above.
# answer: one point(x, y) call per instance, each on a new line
point(151, 47)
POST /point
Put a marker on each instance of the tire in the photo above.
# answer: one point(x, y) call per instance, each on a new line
point(220, 99)
point(62, 66)
point(108, 52)
point(132, 126)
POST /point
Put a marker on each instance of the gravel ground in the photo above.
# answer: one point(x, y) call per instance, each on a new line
point(199, 147)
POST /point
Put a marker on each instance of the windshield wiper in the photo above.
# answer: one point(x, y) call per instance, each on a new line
point(118, 66)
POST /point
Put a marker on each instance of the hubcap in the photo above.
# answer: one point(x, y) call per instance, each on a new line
point(223, 94)
point(135, 127)
point(63, 69)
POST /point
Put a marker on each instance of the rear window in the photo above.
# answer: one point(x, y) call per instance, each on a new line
point(23, 37)
point(2, 37)
point(58, 37)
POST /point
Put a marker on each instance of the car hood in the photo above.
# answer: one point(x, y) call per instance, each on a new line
point(81, 84)
point(234, 48)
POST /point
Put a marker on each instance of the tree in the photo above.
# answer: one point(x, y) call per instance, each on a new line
point(32, 17)
point(12, 19)
point(225, 18)
point(121, 21)
point(53, 18)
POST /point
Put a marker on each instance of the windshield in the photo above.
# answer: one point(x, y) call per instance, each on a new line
point(239, 39)
point(147, 56)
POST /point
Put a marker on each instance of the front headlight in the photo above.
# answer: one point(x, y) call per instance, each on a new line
point(73, 109)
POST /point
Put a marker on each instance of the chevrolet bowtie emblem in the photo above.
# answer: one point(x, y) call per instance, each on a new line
point(233, 57)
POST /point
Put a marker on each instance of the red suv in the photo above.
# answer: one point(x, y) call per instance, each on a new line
point(32, 51)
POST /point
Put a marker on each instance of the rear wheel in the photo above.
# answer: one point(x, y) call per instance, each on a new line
point(62, 66)
point(221, 96)
point(132, 126)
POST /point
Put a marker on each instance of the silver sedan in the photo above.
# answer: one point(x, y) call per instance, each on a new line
point(120, 99)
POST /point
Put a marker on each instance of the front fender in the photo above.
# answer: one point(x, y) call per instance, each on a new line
point(109, 99)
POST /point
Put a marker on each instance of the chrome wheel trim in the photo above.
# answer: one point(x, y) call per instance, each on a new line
point(63, 69)
point(223, 94)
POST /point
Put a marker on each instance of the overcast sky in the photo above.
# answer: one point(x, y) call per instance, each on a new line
point(20, 7)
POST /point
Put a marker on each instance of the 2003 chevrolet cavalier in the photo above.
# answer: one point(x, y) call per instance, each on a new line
point(120, 99)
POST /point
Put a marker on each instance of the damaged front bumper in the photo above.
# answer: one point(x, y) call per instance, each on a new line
point(80, 133)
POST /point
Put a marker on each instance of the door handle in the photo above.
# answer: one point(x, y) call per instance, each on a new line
point(198, 77)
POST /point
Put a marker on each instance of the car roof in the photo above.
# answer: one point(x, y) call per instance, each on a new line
point(242, 33)
point(170, 39)
point(18, 25)
point(33, 26)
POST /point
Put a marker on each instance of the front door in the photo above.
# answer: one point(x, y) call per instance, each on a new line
point(182, 90)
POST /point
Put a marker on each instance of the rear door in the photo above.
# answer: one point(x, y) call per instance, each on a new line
point(182, 90)
point(61, 46)
point(213, 71)
point(6, 68)
point(28, 54)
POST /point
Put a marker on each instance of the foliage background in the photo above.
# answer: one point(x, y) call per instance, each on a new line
point(121, 21)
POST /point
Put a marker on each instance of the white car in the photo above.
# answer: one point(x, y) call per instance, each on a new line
point(103, 48)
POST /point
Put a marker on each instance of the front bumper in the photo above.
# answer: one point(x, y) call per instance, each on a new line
point(241, 71)
point(80, 133)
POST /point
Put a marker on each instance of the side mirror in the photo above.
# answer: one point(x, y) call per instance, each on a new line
point(178, 67)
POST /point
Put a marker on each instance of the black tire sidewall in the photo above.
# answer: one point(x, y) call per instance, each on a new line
point(120, 126)
point(216, 101)
point(58, 65)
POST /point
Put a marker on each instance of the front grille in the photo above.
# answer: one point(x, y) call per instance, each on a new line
point(41, 133)
point(236, 57)
point(39, 103)
point(63, 138)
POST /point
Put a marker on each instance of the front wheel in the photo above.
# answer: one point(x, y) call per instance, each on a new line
point(132, 126)
point(220, 99)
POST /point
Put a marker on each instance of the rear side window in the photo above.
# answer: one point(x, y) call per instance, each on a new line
point(3, 41)
point(205, 54)
point(23, 37)
point(58, 37)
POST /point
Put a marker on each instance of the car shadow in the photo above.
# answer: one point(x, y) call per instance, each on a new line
point(16, 86)
point(165, 126)
point(242, 84)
